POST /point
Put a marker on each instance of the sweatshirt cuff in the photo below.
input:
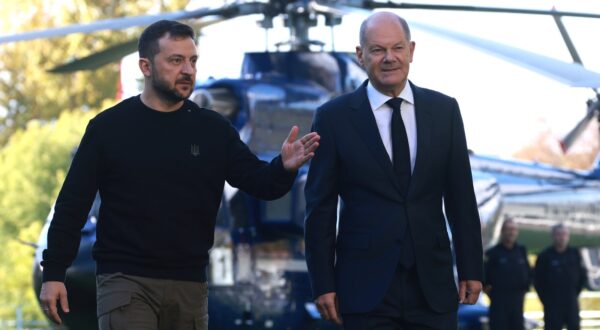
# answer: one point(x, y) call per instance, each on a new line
point(54, 273)
point(283, 173)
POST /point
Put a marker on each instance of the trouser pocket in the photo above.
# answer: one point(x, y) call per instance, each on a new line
point(112, 309)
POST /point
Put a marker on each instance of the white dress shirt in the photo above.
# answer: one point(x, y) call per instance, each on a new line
point(383, 117)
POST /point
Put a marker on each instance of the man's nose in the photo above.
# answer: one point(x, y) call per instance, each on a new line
point(188, 67)
point(389, 56)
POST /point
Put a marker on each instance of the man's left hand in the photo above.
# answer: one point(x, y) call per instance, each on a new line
point(468, 292)
point(294, 153)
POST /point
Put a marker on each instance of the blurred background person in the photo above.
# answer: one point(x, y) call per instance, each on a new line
point(507, 279)
point(559, 278)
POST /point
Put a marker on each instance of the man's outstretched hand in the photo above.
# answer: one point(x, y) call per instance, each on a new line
point(296, 152)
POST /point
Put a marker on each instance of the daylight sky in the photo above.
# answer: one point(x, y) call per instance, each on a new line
point(504, 107)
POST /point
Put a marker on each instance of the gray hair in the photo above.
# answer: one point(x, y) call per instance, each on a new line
point(558, 227)
point(365, 24)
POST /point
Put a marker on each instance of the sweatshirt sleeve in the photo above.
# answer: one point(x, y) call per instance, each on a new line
point(72, 207)
point(258, 178)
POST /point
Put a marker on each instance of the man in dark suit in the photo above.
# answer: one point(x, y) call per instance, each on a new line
point(392, 163)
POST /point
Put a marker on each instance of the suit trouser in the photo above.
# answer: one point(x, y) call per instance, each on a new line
point(506, 310)
point(133, 302)
point(403, 308)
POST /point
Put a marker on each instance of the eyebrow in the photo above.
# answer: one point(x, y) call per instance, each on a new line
point(181, 56)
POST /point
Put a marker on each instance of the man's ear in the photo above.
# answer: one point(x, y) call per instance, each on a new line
point(145, 66)
point(359, 55)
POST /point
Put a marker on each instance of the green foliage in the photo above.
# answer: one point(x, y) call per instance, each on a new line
point(42, 117)
point(16, 274)
point(538, 240)
point(27, 90)
point(34, 164)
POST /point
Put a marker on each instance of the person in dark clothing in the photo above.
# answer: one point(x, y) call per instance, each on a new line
point(559, 278)
point(160, 163)
point(392, 154)
point(507, 279)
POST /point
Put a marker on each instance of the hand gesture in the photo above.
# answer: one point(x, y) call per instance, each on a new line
point(294, 153)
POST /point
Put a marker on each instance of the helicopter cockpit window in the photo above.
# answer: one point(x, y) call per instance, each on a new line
point(221, 100)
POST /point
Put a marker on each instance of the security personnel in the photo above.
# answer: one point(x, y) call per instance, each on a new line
point(507, 279)
point(559, 278)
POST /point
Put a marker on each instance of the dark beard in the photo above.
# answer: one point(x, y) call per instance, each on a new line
point(167, 93)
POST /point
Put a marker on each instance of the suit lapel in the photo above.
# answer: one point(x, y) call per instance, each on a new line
point(424, 118)
point(364, 121)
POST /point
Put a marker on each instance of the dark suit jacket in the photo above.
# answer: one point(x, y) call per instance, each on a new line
point(359, 262)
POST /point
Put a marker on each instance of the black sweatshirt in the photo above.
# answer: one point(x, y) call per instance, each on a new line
point(160, 176)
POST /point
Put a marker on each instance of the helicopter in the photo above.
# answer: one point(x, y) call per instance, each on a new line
point(257, 273)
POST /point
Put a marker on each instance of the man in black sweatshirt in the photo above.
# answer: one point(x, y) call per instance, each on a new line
point(159, 163)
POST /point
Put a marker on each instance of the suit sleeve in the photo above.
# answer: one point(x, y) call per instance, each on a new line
point(321, 209)
point(258, 178)
point(461, 205)
point(487, 267)
point(72, 207)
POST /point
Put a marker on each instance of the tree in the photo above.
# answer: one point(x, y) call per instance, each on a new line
point(34, 165)
point(546, 149)
point(27, 90)
point(42, 117)
point(16, 262)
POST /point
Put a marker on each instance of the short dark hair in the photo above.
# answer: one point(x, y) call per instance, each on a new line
point(507, 220)
point(148, 43)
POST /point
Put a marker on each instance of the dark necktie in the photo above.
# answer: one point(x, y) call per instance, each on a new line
point(400, 149)
point(402, 167)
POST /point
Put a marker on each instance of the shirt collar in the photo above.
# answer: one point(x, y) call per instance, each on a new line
point(377, 99)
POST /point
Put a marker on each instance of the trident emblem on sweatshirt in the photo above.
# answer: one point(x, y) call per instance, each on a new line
point(195, 150)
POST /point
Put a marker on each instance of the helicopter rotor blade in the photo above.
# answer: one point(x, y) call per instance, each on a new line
point(328, 10)
point(111, 54)
point(99, 59)
point(369, 4)
point(227, 11)
point(571, 74)
point(592, 112)
point(568, 42)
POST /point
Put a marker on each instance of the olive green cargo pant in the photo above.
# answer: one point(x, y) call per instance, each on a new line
point(133, 302)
